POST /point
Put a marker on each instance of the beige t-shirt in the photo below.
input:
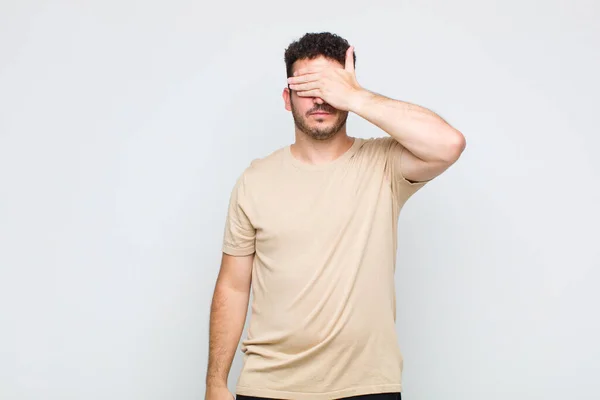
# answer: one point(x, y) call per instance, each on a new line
point(322, 322)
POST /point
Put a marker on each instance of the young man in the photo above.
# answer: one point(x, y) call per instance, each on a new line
point(311, 229)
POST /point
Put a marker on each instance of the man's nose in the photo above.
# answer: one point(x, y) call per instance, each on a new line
point(318, 100)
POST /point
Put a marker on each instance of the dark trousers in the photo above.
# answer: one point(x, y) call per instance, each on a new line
point(377, 396)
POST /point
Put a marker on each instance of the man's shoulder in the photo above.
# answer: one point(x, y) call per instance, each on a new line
point(264, 167)
point(378, 142)
point(377, 147)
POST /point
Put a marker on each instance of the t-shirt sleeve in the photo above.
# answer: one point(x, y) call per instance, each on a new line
point(402, 188)
point(239, 235)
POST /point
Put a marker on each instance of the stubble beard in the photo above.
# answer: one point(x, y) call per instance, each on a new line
point(320, 132)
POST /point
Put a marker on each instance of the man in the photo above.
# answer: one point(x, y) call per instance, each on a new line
point(311, 229)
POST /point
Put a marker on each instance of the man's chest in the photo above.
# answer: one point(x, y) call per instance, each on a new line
point(301, 213)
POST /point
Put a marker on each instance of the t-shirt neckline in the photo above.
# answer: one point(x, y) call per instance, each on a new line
point(343, 157)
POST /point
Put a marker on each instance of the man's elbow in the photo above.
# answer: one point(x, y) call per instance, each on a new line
point(455, 145)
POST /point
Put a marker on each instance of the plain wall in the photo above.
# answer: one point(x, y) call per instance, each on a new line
point(124, 124)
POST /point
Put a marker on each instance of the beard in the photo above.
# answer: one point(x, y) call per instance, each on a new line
point(320, 130)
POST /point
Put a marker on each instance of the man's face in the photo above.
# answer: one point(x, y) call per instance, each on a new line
point(312, 115)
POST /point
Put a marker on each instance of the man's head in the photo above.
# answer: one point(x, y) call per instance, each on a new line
point(315, 50)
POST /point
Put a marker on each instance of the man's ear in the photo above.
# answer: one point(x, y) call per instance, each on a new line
point(286, 98)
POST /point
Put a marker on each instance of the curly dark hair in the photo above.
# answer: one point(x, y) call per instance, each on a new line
point(312, 45)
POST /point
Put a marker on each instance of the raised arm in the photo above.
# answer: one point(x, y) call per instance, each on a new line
point(227, 316)
point(433, 145)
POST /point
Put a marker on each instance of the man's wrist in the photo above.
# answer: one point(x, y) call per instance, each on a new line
point(216, 382)
point(360, 98)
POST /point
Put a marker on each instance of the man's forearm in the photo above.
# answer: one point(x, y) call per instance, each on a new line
point(227, 317)
point(424, 133)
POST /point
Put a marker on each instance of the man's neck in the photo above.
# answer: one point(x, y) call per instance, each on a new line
point(312, 151)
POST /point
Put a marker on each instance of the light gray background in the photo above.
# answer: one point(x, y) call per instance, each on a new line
point(124, 124)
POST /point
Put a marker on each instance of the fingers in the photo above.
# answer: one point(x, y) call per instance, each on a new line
point(311, 77)
point(304, 86)
point(350, 59)
point(310, 93)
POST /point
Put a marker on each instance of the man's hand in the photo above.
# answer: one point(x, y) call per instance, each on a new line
point(336, 86)
point(218, 393)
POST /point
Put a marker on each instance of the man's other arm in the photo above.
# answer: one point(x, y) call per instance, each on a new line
point(227, 317)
